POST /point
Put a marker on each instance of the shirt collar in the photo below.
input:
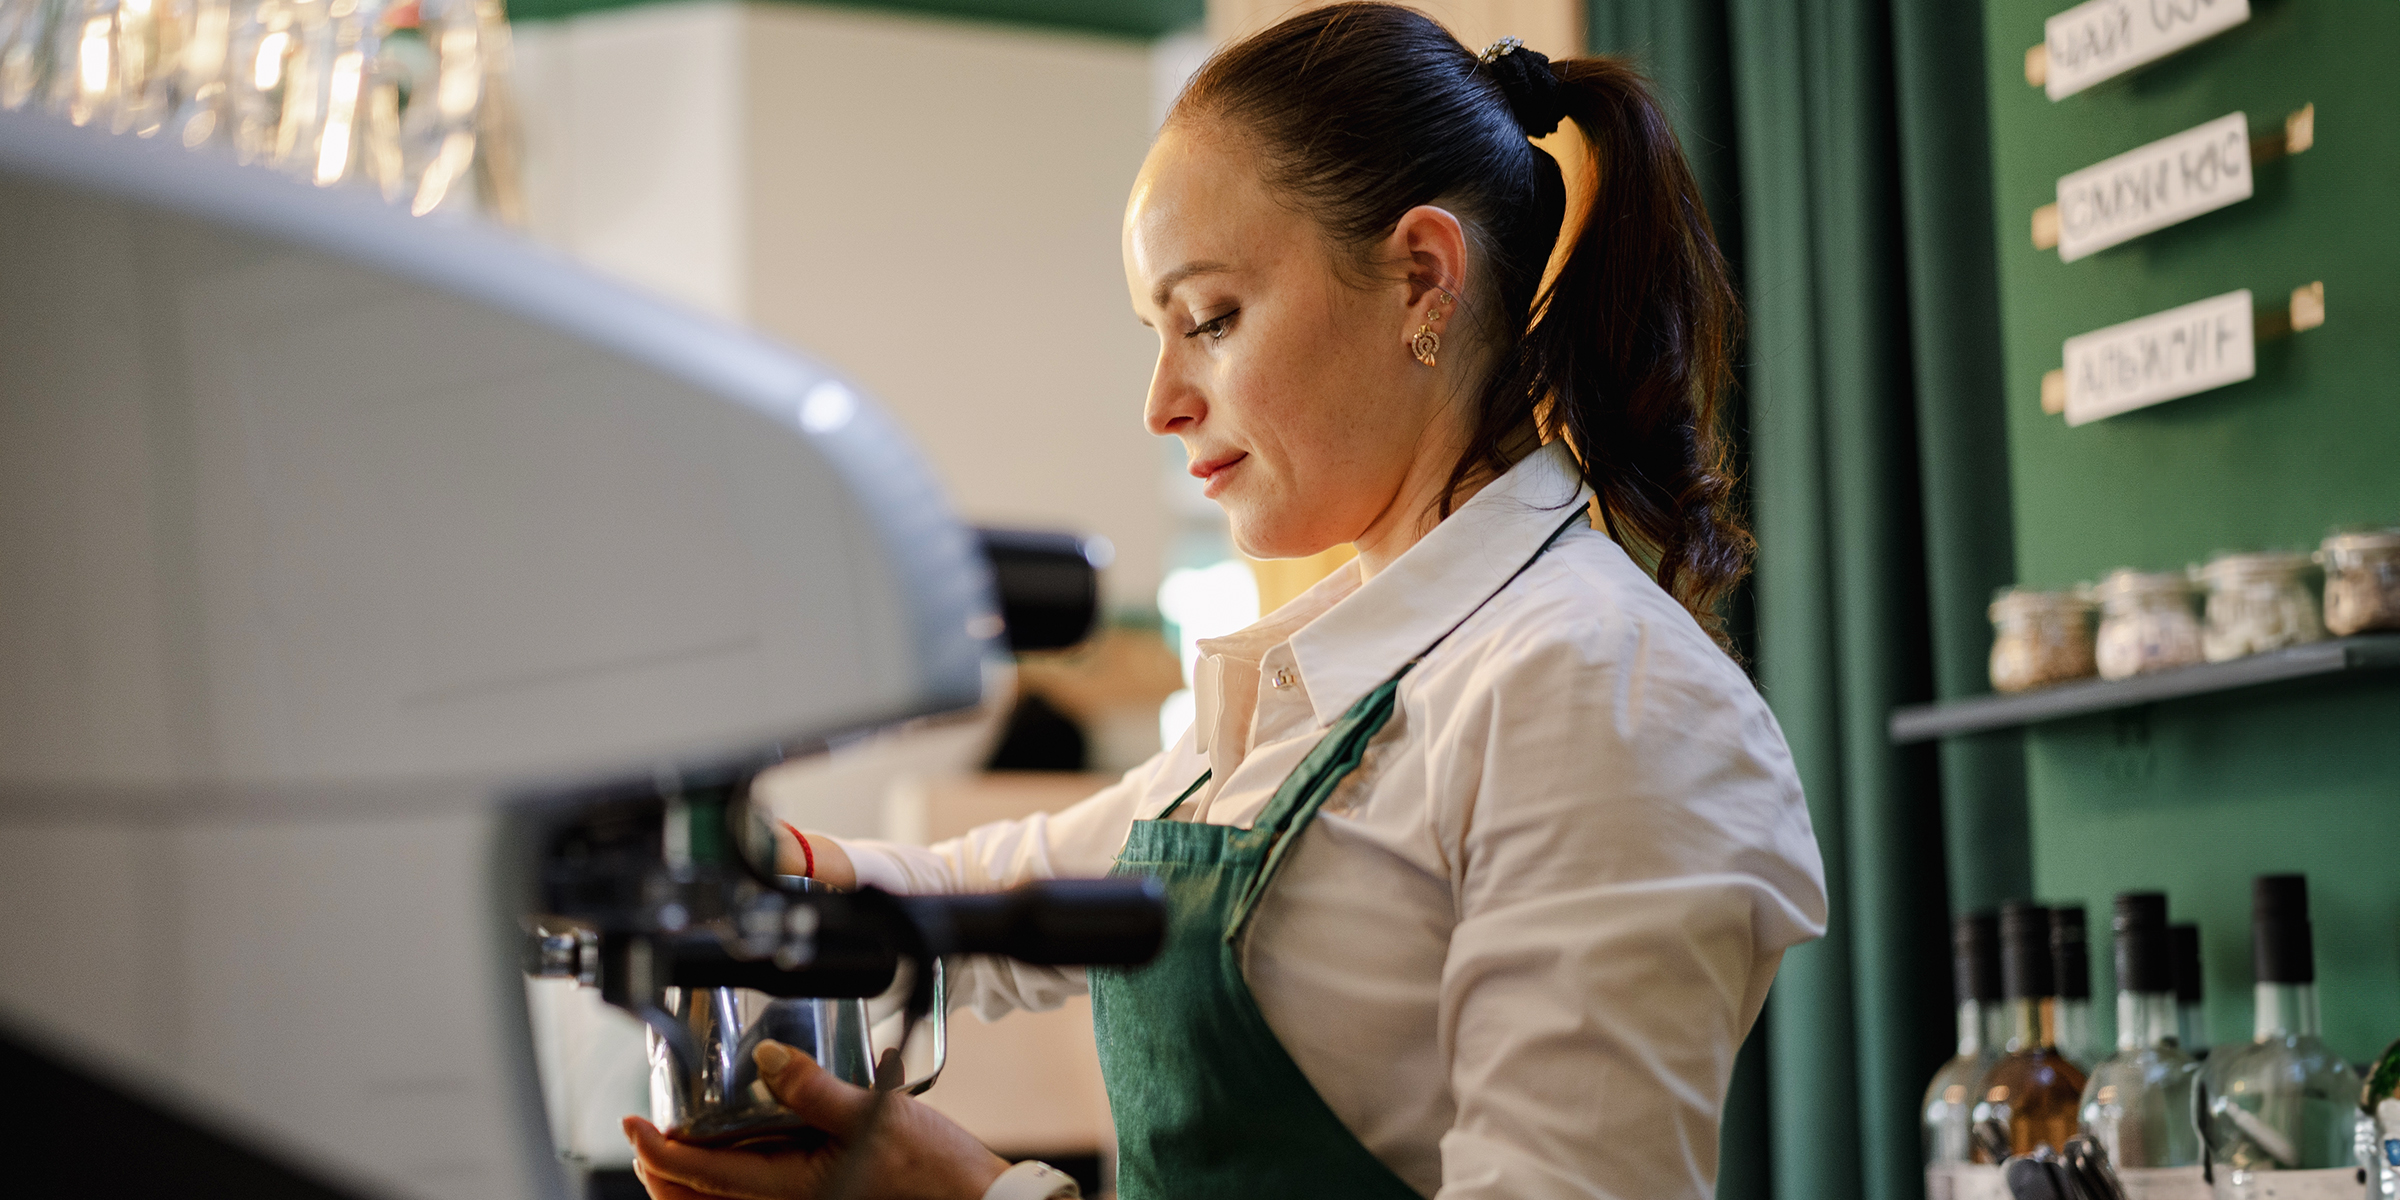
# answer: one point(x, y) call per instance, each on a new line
point(1372, 629)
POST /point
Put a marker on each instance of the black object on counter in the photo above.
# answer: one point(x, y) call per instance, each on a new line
point(1040, 737)
point(1048, 585)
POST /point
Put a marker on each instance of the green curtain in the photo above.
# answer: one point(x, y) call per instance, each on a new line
point(1844, 148)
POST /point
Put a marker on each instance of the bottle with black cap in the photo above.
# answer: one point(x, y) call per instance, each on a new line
point(1949, 1107)
point(2138, 1102)
point(2028, 1101)
point(2071, 966)
point(2282, 1110)
point(2191, 1019)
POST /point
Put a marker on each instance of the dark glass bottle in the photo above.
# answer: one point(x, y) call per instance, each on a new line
point(2030, 1097)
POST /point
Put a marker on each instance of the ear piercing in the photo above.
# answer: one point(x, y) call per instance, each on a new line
point(1426, 342)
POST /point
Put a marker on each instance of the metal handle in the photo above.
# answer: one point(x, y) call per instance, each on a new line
point(939, 1018)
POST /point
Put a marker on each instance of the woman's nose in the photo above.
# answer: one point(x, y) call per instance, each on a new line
point(1174, 404)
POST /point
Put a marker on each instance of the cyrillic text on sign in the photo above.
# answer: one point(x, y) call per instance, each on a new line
point(2203, 345)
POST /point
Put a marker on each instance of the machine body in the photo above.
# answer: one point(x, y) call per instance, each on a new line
point(345, 555)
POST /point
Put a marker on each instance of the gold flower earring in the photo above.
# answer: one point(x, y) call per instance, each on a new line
point(1427, 343)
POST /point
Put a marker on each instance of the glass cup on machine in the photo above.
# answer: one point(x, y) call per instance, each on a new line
point(2146, 623)
point(2256, 603)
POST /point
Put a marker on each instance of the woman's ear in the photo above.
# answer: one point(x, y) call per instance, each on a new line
point(1433, 244)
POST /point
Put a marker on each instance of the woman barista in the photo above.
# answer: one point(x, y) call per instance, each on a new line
point(1481, 854)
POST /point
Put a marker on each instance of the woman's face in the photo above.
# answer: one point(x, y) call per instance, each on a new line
point(1292, 387)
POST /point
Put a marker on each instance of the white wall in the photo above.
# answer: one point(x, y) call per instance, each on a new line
point(930, 205)
point(633, 146)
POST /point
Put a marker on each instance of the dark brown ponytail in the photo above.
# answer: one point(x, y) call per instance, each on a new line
point(1363, 111)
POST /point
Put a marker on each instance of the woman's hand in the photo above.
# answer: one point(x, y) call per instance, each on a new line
point(915, 1153)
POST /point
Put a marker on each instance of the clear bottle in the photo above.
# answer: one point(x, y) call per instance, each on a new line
point(2282, 1111)
point(2029, 1098)
point(2071, 968)
point(1949, 1109)
point(2191, 1016)
point(2138, 1102)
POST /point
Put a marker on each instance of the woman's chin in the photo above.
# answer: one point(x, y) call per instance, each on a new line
point(1258, 538)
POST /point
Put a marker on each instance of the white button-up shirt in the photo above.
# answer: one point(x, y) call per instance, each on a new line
point(1518, 949)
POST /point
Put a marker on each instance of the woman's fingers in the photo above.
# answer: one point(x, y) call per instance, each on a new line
point(665, 1189)
point(817, 1095)
point(736, 1174)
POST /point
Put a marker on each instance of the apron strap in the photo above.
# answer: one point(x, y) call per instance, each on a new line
point(1169, 810)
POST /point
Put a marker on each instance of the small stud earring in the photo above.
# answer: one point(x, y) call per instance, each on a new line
point(1427, 343)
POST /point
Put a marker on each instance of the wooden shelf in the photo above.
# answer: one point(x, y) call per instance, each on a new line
point(1981, 714)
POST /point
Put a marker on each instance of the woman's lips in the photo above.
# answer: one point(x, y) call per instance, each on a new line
point(1214, 472)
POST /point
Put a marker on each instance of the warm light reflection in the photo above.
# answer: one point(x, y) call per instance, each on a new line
point(462, 75)
point(458, 152)
point(333, 153)
point(269, 72)
point(93, 56)
point(204, 55)
point(299, 85)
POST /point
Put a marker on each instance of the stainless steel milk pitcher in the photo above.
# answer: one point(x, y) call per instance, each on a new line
point(704, 1085)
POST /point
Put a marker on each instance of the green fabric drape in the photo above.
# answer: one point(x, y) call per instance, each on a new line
point(1844, 147)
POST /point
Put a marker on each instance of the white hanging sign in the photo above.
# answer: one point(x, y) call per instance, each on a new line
point(2105, 38)
point(2202, 345)
point(2151, 187)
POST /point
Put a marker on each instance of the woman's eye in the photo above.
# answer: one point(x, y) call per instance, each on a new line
point(1214, 329)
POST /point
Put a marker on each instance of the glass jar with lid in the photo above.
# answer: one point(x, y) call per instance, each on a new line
point(2256, 603)
point(2362, 580)
point(2146, 623)
point(2039, 638)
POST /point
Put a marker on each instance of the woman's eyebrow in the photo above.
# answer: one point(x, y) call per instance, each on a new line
point(1166, 283)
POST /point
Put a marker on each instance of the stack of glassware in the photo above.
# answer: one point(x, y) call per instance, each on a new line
point(405, 97)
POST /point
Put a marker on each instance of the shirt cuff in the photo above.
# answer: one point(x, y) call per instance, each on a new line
point(875, 866)
point(1030, 1180)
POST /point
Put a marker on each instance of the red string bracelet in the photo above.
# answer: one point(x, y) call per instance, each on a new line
point(808, 856)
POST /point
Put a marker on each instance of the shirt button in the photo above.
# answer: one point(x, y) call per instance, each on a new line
point(1282, 677)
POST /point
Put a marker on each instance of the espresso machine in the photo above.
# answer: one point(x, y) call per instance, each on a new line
point(391, 610)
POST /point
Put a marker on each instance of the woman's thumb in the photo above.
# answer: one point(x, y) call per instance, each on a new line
point(814, 1093)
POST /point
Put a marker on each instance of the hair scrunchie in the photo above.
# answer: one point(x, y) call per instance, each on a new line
point(1534, 94)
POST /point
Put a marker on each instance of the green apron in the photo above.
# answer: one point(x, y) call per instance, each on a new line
point(1208, 1105)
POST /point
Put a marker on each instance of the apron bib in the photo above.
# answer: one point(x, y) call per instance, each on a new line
point(1208, 1105)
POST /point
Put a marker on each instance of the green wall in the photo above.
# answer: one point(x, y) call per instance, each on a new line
point(2196, 797)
